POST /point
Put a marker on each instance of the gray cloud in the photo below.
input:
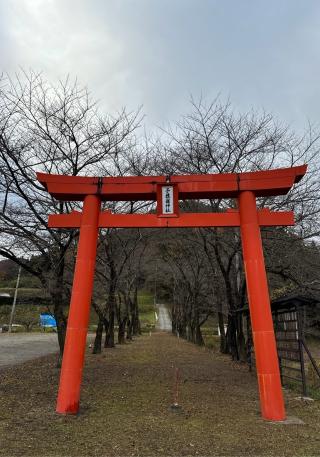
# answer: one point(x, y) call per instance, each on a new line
point(157, 53)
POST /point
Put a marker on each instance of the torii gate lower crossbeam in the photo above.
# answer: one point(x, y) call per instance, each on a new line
point(167, 191)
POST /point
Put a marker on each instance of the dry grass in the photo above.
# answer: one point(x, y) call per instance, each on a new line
point(125, 411)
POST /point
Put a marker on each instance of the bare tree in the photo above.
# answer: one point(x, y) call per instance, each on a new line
point(53, 129)
point(213, 139)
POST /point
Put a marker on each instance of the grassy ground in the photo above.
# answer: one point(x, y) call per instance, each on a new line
point(146, 311)
point(210, 334)
point(126, 397)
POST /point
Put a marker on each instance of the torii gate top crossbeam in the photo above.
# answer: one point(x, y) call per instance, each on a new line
point(134, 188)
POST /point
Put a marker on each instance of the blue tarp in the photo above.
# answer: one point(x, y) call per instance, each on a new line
point(47, 320)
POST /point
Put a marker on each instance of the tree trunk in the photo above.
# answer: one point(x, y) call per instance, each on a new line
point(129, 329)
point(182, 329)
point(102, 322)
point(98, 339)
point(61, 328)
point(128, 323)
point(57, 300)
point(182, 324)
point(241, 342)
point(122, 331)
point(136, 326)
point(106, 328)
point(109, 341)
point(174, 320)
point(223, 340)
point(190, 332)
point(198, 336)
point(232, 338)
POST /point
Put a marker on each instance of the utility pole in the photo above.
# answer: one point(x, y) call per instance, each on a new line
point(14, 301)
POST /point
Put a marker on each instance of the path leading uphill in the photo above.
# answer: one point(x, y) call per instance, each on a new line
point(164, 321)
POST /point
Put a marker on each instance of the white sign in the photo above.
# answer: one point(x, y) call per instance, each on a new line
point(167, 200)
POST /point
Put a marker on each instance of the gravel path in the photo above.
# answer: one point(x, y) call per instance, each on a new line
point(19, 347)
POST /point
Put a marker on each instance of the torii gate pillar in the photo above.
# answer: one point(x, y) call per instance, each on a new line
point(75, 344)
point(271, 398)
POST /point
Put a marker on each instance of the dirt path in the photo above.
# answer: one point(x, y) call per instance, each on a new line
point(19, 347)
point(126, 398)
point(164, 321)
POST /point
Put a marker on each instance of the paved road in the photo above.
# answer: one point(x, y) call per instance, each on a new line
point(19, 347)
point(164, 321)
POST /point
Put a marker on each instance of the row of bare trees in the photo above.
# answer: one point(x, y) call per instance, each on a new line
point(200, 272)
point(59, 129)
point(213, 139)
point(119, 269)
point(53, 129)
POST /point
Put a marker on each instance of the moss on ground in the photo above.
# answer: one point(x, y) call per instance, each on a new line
point(125, 407)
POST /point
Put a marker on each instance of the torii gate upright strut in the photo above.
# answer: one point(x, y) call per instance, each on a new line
point(167, 191)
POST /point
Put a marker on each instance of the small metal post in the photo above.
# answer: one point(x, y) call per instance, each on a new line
point(13, 309)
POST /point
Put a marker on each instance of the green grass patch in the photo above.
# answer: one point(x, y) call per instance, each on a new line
point(210, 334)
point(24, 292)
point(29, 314)
point(146, 311)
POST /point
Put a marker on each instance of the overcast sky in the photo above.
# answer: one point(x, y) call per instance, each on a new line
point(155, 53)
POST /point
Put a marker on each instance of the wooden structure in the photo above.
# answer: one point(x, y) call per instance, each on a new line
point(167, 191)
point(289, 317)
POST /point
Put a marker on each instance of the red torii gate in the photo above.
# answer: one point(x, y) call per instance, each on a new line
point(167, 191)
